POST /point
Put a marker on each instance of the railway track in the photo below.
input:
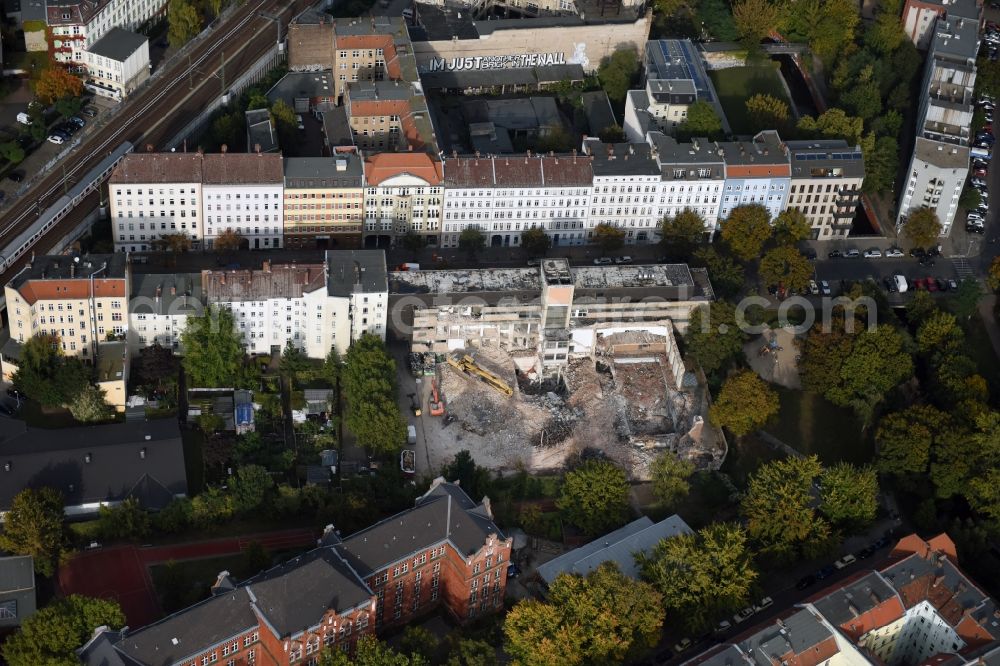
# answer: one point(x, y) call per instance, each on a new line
point(161, 110)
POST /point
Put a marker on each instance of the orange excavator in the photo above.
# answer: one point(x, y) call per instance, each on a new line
point(437, 400)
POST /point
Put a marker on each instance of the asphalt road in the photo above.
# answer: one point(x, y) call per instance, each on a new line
point(162, 109)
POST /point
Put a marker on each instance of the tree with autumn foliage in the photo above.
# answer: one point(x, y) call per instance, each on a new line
point(56, 83)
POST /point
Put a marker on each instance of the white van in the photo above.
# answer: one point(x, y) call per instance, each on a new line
point(901, 285)
point(24, 118)
point(411, 435)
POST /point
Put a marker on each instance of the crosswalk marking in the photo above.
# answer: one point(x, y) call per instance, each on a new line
point(962, 268)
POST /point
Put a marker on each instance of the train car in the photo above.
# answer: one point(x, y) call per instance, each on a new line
point(51, 216)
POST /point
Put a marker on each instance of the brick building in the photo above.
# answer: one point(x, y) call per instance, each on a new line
point(446, 551)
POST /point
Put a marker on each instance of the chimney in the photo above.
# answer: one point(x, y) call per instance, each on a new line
point(938, 580)
point(256, 148)
point(223, 148)
point(266, 266)
point(173, 291)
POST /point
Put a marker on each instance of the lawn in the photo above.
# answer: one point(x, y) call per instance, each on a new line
point(736, 84)
point(811, 425)
point(180, 584)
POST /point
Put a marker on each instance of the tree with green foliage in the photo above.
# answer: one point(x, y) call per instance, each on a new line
point(790, 227)
point(413, 241)
point(885, 34)
point(970, 198)
point(370, 652)
point(90, 405)
point(714, 337)
point(881, 164)
point(755, 20)
point(256, 99)
point(922, 227)
point(727, 276)
point(184, 22)
point(127, 520)
point(701, 121)
point(617, 73)
point(823, 356)
point(601, 618)
point(879, 361)
point(419, 641)
point(905, 439)
point(213, 352)
point(849, 495)
point(594, 497)
point(785, 265)
point(701, 575)
point(778, 508)
point(211, 508)
point(745, 403)
point(826, 25)
point(832, 124)
point(475, 480)
point(670, 476)
point(36, 525)
point(608, 237)
point(226, 130)
point(53, 634)
point(681, 234)
point(470, 652)
point(767, 111)
point(249, 488)
point(988, 77)
point(535, 242)
point(939, 334)
point(472, 240)
point(966, 299)
point(68, 106)
point(44, 374)
point(746, 230)
point(293, 361)
point(12, 152)
point(175, 517)
point(284, 117)
point(369, 386)
point(333, 365)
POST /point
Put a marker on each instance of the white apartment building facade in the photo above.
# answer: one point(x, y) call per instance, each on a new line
point(404, 193)
point(939, 165)
point(243, 194)
point(757, 172)
point(626, 190)
point(507, 195)
point(154, 196)
point(117, 64)
point(693, 176)
point(77, 26)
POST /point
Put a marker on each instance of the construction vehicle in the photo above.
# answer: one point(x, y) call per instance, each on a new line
point(468, 365)
point(437, 401)
point(414, 404)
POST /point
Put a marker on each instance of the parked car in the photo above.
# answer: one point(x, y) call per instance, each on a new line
point(866, 552)
point(813, 288)
point(824, 287)
point(893, 252)
point(825, 572)
point(623, 260)
point(977, 182)
point(852, 253)
point(873, 253)
point(845, 561)
point(15, 176)
point(682, 644)
point(743, 615)
point(809, 254)
point(880, 543)
point(298, 119)
point(952, 284)
point(890, 285)
point(90, 112)
point(513, 571)
point(805, 582)
point(603, 261)
point(931, 284)
point(835, 254)
point(56, 139)
point(78, 121)
point(723, 626)
point(762, 604)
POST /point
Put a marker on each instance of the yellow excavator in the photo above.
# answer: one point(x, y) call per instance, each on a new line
point(468, 365)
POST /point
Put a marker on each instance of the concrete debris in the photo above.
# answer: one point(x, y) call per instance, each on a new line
point(619, 402)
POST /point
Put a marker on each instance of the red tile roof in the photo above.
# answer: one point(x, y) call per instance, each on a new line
point(382, 166)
